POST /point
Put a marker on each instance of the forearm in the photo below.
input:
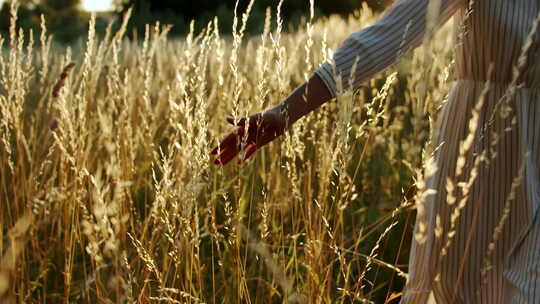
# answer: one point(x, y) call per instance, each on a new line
point(304, 99)
point(369, 51)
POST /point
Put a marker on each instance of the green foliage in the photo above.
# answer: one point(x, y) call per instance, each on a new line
point(68, 23)
point(180, 14)
point(63, 18)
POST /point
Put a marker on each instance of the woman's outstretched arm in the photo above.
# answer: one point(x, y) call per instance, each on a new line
point(364, 54)
point(264, 127)
point(371, 50)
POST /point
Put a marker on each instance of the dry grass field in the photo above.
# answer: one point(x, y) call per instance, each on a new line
point(108, 193)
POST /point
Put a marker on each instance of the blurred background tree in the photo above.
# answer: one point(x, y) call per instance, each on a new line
point(64, 18)
point(180, 13)
point(68, 21)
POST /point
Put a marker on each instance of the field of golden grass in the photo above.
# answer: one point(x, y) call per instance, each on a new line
point(108, 193)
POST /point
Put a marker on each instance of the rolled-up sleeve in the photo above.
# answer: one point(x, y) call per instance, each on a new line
point(371, 50)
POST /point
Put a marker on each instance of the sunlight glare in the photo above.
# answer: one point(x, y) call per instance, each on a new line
point(97, 5)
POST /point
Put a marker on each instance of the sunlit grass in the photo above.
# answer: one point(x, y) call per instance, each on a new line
point(108, 193)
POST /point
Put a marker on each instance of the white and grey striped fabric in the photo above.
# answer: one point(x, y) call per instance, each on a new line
point(494, 251)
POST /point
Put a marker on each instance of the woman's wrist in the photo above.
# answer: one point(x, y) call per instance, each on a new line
point(289, 111)
point(304, 100)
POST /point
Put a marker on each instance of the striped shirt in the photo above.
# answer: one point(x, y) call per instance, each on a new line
point(477, 239)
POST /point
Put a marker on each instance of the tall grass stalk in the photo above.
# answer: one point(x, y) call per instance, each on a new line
point(107, 192)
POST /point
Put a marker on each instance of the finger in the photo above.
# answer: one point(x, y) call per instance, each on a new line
point(249, 151)
point(236, 121)
point(221, 156)
point(226, 157)
point(214, 151)
point(230, 141)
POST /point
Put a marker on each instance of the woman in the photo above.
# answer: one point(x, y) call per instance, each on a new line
point(478, 243)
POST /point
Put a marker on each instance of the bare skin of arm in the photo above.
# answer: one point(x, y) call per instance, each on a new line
point(266, 126)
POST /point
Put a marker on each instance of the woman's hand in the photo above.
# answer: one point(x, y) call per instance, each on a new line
point(261, 128)
point(264, 127)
